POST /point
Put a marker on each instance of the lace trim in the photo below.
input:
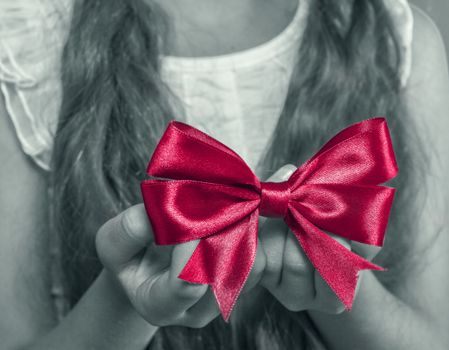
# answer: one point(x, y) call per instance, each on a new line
point(403, 16)
point(32, 35)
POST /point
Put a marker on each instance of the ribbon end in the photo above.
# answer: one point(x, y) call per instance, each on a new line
point(348, 294)
point(187, 277)
point(194, 271)
point(225, 301)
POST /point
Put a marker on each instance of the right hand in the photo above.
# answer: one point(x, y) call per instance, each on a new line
point(149, 273)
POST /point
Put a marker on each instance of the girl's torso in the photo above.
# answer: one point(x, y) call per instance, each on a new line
point(235, 96)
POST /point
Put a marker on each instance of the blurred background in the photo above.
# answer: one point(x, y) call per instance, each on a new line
point(438, 10)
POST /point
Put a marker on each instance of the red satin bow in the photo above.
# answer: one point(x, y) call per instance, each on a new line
point(214, 196)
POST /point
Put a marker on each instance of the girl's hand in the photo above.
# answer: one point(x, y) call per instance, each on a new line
point(288, 274)
point(149, 273)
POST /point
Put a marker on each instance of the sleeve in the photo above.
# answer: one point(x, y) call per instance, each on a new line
point(402, 15)
point(32, 36)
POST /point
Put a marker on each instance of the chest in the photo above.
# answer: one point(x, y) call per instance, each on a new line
point(210, 28)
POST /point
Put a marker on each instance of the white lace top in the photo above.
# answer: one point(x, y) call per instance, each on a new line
point(237, 98)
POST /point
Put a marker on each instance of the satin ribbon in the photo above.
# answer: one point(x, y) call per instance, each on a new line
point(208, 192)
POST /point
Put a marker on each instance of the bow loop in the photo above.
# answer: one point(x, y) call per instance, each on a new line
point(187, 153)
point(356, 212)
point(186, 210)
point(360, 154)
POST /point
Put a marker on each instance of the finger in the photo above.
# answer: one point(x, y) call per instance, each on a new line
point(168, 297)
point(272, 236)
point(282, 174)
point(257, 270)
point(325, 298)
point(202, 313)
point(366, 251)
point(155, 261)
point(206, 308)
point(296, 290)
point(120, 239)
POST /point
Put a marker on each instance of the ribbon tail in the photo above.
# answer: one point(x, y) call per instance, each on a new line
point(338, 266)
point(224, 261)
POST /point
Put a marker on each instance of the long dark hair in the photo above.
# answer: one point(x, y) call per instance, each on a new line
point(115, 107)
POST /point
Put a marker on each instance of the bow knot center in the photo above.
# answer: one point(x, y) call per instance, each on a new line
point(274, 199)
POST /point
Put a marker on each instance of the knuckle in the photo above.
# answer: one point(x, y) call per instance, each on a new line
point(273, 267)
point(326, 300)
point(258, 268)
point(185, 290)
point(155, 315)
point(143, 293)
point(297, 291)
point(294, 268)
point(295, 263)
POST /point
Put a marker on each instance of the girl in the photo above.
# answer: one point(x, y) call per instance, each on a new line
point(87, 90)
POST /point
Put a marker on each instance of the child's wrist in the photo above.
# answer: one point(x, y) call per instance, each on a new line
point(117, 297)
point(113, 316)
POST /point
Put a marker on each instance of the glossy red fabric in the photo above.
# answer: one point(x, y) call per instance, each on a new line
point(206, 191)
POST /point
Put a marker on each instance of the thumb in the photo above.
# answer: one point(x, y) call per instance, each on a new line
point(282, 174)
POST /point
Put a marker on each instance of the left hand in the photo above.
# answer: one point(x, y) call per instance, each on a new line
point(288, 274)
